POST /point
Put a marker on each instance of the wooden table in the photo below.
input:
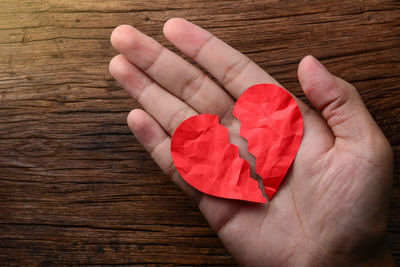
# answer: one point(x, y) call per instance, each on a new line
point(77, 189)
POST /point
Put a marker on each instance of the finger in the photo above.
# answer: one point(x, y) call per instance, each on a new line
point(150, 134)
point(168, 110)
point(172, 72)
point(338, 101)
point(233, 69)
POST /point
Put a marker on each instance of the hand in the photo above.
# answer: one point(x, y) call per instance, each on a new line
point(332, 206)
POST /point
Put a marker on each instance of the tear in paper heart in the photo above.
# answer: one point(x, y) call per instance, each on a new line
point(271, 122)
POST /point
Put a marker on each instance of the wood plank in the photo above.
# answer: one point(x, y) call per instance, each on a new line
point(77, 188)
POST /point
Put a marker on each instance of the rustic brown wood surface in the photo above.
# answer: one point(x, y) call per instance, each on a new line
point(77, 189)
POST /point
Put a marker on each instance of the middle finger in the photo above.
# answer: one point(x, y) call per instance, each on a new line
point(173, 73)
point(165, 108)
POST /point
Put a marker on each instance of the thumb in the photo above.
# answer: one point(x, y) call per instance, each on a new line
point(339, 103)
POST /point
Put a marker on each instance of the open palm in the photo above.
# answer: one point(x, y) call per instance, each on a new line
point(332, 205)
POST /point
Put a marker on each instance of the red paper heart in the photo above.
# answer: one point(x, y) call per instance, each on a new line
point(272, 124)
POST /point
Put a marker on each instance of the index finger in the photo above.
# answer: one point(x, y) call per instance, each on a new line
point(233, 69)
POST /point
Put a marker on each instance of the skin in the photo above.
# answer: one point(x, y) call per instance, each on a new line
point(331, 208)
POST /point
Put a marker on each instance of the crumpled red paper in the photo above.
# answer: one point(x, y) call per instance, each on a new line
point(205, 159)
point(272, 124)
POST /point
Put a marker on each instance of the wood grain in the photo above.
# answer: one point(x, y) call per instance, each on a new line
point(77, 189)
